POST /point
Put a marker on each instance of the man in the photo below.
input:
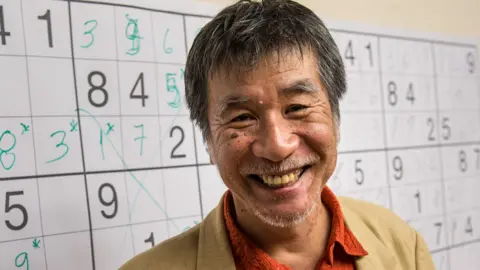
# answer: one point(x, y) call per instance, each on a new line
point(263, 82)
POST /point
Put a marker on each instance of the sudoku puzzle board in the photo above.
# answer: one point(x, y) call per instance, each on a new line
point(99, 160)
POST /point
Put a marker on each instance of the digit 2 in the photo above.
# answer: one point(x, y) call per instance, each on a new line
point(182, 137)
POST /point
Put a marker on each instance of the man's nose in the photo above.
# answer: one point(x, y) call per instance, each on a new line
point(276, 140)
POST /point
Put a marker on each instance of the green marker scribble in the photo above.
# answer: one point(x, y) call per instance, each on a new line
point(36, 243)
point(182, 74)
point(25, 128)
point(24, 258)
point(90, 32)
point(60, 144)
point(172, 87)
point(6, 152)
point(141, 138)
point(73, 126)
point(110, 127)
point(132, 33)
point(168, 50)
point(101, 144)
point(132, 175)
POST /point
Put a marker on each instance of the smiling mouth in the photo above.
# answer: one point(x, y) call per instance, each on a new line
point(280, 180)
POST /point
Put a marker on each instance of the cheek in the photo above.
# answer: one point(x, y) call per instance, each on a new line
point(232, 147)
point(321, 138)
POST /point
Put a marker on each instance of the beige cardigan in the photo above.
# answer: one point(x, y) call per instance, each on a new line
point(391, 243)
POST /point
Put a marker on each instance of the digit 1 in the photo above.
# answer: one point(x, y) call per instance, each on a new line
point(370, 54)
point(3, 33)
point(477, 151)
point(150, 239)
point(47, 18)
point(419, 205)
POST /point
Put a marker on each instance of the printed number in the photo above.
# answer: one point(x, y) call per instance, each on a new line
point(60, 144)
point(9, 207)
point(447, 130)
point(47, 18)
point(8, 164)
point(439, 231)
point(393, 96)
point(141, 96)
point(419, 203)
point(462, 161)
point(103, 81)
point(360, 176)
point(90, 32)
point(349, 53)
point(182, 137)
point(398, 168)
point(150, 239)
point(113, 201)
point(431, 131)
point(370, 53)
point(410, 94)
point(4, 34)
point(471, 62)
point(392, 93)
point(469, 226)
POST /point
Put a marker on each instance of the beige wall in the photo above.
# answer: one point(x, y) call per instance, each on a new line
point(447, 17)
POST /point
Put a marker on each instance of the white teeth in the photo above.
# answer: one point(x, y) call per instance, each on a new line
point(276, 180)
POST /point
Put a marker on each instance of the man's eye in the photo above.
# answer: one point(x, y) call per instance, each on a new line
point(242, 117)
point(295, 108)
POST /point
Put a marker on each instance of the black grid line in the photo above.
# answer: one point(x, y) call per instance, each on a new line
point(384, 118)
point(444, 193)
point(72, 47)
point(33, 132)
point(438, 145)
point(193, 128)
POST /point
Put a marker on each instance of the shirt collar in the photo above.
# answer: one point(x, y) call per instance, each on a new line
point(243, 249)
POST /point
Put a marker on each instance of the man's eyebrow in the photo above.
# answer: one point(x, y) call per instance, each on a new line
point(299, 86)
point(230, 101)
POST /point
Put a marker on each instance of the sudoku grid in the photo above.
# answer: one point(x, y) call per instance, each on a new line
point(99, 160)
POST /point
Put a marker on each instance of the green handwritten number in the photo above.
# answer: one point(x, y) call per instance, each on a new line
point(6, 152)
point(89, 32)
point(132, 33)
point(101, 144)
point(172, 87)
point(168, 50)
point(141, 138)
point(23, 260)
point(60, 144)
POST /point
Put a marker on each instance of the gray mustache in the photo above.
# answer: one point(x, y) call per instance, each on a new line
point(265, 167)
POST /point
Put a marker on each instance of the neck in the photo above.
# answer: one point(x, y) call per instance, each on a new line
point(299, 246)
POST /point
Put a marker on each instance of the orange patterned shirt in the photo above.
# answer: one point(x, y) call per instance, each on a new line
point(340, 253)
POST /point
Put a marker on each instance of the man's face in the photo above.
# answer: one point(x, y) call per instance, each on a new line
point(273, 137)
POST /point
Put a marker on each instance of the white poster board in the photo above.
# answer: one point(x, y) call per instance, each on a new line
point(99, 160)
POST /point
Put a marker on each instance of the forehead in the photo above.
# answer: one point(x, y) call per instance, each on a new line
point(277, 68)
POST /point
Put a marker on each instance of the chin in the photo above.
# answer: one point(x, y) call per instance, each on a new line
point(285, 217)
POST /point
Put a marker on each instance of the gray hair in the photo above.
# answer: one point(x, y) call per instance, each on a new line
point(247, 31)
